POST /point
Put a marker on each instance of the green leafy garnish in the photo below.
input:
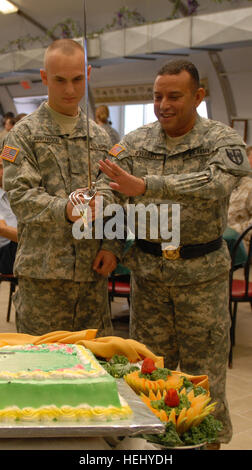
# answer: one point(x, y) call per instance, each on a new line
point(118, 366)
point(206, 431)
point(160, 405)
point(159, 373)
point(169, 438)
point(199, 390)
point(117, 359)
point(188, 385)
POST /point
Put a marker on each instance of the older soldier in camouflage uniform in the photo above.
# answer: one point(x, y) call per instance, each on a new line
point(179, 305)
point(45, 159)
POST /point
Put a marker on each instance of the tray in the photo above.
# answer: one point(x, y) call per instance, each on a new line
point(142, 421)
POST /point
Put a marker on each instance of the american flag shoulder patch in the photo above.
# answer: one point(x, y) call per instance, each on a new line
point(116, 150)
point(9, 153)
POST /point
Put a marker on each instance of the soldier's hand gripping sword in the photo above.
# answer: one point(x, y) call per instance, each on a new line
point(82, 197)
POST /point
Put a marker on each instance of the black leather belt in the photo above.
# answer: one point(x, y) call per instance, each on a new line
point(185, 252)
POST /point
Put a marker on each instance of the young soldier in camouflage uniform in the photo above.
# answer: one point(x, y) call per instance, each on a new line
point(45, 159)
point(179, 305)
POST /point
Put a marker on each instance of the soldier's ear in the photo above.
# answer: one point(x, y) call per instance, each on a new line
point(43, 75)
point(89, 71)
point(200, 95)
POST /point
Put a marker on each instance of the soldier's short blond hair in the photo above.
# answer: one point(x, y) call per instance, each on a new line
point(66, 46)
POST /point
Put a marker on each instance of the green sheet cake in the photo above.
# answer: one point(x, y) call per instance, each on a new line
point(56, 382)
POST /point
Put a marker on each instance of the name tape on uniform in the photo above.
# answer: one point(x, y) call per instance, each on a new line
point(9, 153)
point(116, 150)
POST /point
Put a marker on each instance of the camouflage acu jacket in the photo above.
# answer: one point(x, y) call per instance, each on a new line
point(240, 208)
point(41, 169)
point(199, 174)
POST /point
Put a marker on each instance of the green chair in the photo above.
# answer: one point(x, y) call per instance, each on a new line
point(231, 236)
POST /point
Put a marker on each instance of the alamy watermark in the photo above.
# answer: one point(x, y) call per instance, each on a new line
point(113, 221)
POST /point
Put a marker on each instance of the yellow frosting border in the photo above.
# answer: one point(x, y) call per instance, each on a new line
point(82, 412)
point(65, 413)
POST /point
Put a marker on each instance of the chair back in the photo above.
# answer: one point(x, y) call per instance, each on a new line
point(119, 286)
point(13, 281)
point(247, 265)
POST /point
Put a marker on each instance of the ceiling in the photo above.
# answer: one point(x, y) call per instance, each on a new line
point(99, 13)
point(49, 13)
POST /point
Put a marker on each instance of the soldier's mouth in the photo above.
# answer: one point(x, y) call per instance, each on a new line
point(167, 115)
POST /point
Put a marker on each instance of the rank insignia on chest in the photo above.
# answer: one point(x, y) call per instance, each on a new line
point(9, 153)
point(235, 155)
point(116, 150)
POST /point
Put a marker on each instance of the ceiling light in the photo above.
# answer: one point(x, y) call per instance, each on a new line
point(7, 7)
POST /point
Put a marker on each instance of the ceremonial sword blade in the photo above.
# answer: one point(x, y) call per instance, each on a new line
point(86, 94)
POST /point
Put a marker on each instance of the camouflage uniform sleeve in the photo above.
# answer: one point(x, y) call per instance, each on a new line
point(249, 204)
point(120, 155)
point(23, 182)
point(240, 207)
point(115, 246)
point(224, 169)
point(111, 197)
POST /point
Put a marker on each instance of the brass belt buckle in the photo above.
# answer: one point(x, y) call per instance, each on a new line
point(170, 252)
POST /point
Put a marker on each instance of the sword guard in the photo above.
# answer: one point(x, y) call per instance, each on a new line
point(77, 196)
point(81, 198)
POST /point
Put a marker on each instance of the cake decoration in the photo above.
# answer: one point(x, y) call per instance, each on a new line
point(181, 401)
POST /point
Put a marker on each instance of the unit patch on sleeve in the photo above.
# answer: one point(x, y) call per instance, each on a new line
point(9, 153)
point(235, 155)
point(116, 150)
